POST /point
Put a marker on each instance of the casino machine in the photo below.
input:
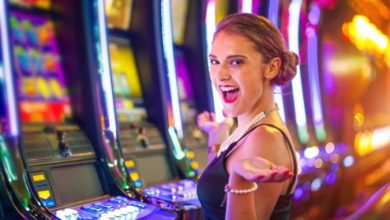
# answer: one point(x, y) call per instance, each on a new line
point(59, 157)
point(143, 109)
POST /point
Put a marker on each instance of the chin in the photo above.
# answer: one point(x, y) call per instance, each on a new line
point(231, 112)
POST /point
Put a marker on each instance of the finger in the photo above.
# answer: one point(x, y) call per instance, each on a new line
point(212, 116)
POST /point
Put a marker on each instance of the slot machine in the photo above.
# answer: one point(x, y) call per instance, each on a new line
point(150, 157)
point(63, 138)
point(192, 79)
point(320, 156)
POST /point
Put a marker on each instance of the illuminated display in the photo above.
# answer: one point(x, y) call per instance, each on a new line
point(179, 17)
point(41, 87)
point(127, 87)
point(45, 4)
point(118, 13)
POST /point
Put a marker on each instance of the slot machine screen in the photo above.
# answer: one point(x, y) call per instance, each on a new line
point(179, 18)
point(127, 87)
point(41, 86)
point(186, 94)
point(156, 165)
point(118, 13)
point(75, 183)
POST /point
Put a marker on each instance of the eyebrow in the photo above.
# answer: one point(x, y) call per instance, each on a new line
point(230, 56)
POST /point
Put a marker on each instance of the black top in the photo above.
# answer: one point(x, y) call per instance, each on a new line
point(210, 188)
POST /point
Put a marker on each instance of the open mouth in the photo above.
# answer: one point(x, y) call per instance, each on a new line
point(230, 93)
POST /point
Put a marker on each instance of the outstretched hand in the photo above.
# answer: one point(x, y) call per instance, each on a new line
point(260, 170)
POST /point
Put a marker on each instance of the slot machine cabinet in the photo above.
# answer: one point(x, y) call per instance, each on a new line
point(142, 111)
point(66, 145)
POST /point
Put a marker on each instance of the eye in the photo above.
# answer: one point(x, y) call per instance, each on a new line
point(214, 62)
point(236, 62)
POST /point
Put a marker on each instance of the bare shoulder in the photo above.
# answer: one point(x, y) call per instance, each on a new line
point(266, 142)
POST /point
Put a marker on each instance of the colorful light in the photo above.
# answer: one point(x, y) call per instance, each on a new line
point(210, 29)
point(366, 36)
point(170, 59)
point(312, 57)
point(293, 42)
point(177, 151)
point(246, 6)
point(105, 69)
point(273, 12)
point(6, 72)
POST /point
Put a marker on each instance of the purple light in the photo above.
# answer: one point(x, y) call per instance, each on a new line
point(331, 178)
point(181, 69)
point(298, 193)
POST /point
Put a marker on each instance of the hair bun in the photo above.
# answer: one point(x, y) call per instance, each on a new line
point(288, 69)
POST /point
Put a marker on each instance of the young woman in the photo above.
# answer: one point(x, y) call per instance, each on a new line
point(253, 172)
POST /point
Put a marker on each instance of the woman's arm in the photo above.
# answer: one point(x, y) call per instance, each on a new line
point(254, 161)
point(217, 132)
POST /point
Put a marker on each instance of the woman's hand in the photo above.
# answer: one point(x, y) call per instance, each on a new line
point(217, 131)
point(260, 170)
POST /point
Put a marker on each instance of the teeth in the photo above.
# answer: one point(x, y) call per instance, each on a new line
point(227, 88)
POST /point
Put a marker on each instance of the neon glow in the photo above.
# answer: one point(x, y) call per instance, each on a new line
point(311, 152)
point(312, 57)
point(105, 69)
point(210, 29)
point(246, 6)
point(177, 151)
point(293, 42)
point(273, 12)
point(7, 73)
point(169, 55)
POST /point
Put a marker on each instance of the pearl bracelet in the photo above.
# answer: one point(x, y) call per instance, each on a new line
point(228, 189)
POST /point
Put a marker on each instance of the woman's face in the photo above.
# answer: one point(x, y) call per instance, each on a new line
point(237, 73)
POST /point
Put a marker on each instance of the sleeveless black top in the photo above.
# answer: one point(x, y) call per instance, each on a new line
point(210, 187)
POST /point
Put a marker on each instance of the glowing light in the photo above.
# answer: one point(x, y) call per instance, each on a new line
point(246, 6)
point(6, 73)
point(311, 152)
point(138, 183)
point(335, 158)
point(273, 12)
point(312, 56)
point(318, 163)
point(177, 151)
point(380, 137)
point(348, 161)
point(293, 42)
point(316, 184)
point(169, 55)
point(331, 178)
point(298, 191)
point(329, 148)
point(366, 36)
point(314, 14)
point(105, 69)
point(210, 29)
point(363, 143)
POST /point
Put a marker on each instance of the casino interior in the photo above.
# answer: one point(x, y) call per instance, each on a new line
point(99, 98)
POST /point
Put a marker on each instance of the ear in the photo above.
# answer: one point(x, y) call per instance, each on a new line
point(273, 68)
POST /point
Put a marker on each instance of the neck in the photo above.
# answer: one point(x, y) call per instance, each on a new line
point(263, 105)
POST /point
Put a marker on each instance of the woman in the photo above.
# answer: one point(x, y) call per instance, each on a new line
point(247, 177)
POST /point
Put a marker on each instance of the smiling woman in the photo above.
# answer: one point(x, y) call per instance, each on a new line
point(248, 58)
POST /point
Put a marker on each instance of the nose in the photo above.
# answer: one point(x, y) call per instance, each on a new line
point(223, 73)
